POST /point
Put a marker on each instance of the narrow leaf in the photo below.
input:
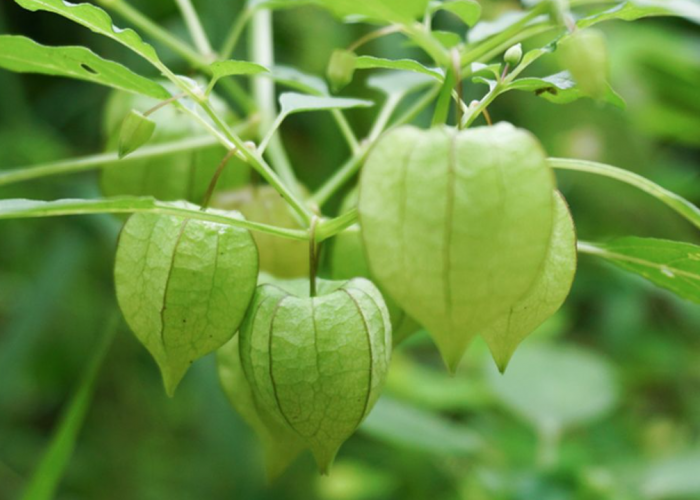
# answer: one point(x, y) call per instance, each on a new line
point(47, 476)
point(562, 89)
point(469, 11)
point(371, 62)
point(292, 102)
point(23, 55)
point(97, 21)
point(672, 265)
point(222, 69)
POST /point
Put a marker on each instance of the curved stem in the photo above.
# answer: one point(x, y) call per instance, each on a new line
point(215, 178)
point(194, 25)
point(677, 203)
point(328, 229)
point(26, 209)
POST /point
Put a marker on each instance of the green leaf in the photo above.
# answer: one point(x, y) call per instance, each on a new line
point(47, 476)
point(408, 427)
point(298, 80)
point(546, 296)
point(283, 258)
point(429, 203)
point(23, 55)
point(402, 11)
point(341, 68)
point(398, 83)
point(280, 445)
point(292, 102)
point(136, 131)
point(447, 39)
point(469, 11)
point(371, 62)
point(183, 286)
point(672, 265)
point(97, 21)
point(486, 29)
point(300, 353)
point(222, 69)
point(556, 387)
point(561, 89)
point(632, 11)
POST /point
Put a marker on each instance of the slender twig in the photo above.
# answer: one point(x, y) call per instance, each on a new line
point(164, 103)
point(215, 178)
point(194, 25)
point(373, 35)
point(234, 35)
point(313, 257)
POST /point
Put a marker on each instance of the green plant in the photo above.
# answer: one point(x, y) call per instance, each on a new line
point(462, 227)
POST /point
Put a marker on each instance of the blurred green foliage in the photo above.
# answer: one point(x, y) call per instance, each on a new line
point(602, 402)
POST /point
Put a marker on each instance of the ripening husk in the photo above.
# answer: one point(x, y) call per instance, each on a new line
point(456, 225)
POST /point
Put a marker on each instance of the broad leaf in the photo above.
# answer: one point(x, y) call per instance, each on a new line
point(292, 102)
point(429, 201)
point(546, 296)
point(556, 387)
point(96, 20)
point(672, 265)
point(560, 89)
point(222, 69)
point(469, 11)
point(183, 286)
point(408, 427)
point(23, 55)
point(371, 62)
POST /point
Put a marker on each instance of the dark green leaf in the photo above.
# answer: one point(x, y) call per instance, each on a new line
point(23, 55)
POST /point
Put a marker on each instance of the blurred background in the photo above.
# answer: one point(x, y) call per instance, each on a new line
point(602, 402)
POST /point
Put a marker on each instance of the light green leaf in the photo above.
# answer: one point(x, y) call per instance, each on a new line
point(447, 39)
point(292, 102)
point(47, 476)
point(281, 446)
point(136, 131)
point(672, 265)
point(556, 387)
point(402, 11)
point(469, 11)
point(23, 55)
point(183, 286)
point(437, 255)
point(486, 29)
point(298, 80)
point(23, 209)
point(546, 296)
point(628, 11)
point(562, 89)
point(300, 353)
point(97, 21)
point(408, 427)
point(398, 83)
point(371, 62)
point(222, 69)
point(281, 257)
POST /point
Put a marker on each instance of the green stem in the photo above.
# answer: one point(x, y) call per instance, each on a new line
point(261, 46)
point(215, 179)
point(194, 25)
point(342, 176)
point(417, 108)
point(313, 257)
point(677, 203)
point(474, 112)
point(259, 164)
point(27, 209)
point(346, 130)
point(329, 228)
point(384, 116)
point(420, 36)
point(234, 35)
point(146, 25)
